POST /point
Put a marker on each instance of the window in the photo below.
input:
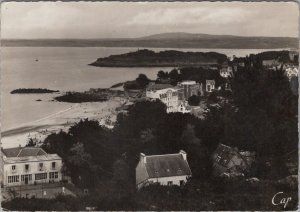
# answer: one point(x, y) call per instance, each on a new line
point(41, 176)
point(181, 182)
point(208, 88)
point(13, 167)
point(170, 183)
point(26, 167)
point(28, 176)
point(13, 179)
point(53, 175)
point(41, 166)
point(53, 165)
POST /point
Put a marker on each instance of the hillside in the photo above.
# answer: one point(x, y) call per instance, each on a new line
point(168, 40)
point(147, 58)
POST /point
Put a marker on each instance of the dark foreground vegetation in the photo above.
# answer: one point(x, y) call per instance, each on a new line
point(199, 196)
point(260, 114)
point(32, 90)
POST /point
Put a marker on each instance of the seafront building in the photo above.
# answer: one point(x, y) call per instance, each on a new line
point(168, 169)
point(166, 93)
point(29, 165)
point(190, 88)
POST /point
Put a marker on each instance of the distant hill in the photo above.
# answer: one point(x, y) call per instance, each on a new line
point(147, 58)
point(183, 35)
point(169, 40)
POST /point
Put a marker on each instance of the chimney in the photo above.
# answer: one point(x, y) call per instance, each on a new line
point(143, 157)
point(183, 153)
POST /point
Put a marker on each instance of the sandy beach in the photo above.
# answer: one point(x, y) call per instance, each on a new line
point(62, 120)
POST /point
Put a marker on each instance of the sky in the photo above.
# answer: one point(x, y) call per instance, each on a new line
point(31, 20)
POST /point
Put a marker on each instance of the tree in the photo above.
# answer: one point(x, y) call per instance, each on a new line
point(265, 115)
point(142, 80)
point(174, 76)
point(32, 142)
point(194, 100)
point(78, 157)
point(162, 75)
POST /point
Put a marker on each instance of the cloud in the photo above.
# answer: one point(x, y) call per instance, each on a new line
point(190, 16)
point(131, 19)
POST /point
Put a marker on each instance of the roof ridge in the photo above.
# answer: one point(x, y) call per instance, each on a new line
point(163, 154)
point(19, 152)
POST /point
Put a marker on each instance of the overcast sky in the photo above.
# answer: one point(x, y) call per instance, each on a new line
point(118, 19)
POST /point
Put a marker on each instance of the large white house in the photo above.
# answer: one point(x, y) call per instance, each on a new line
point(168, 169)
point(168, 94)
point(30, 165)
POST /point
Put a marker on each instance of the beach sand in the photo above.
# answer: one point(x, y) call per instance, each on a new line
point(61, 120)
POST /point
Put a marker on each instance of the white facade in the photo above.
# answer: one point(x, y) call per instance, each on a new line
point(166, 181)
point(210, 85)
point(169, 96)
point(31, 169)
point(183, 107)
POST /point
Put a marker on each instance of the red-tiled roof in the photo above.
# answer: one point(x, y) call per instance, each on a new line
point(23, 152)
point(167, 166)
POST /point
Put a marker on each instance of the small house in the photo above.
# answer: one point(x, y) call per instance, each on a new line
point(210, 85)
point(228, 161)
point(168, 169)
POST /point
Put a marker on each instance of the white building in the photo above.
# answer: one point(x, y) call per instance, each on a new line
point(191, 88)
point(166, 93)
point(291, 71)
point(169, 169)
point(30, 165)
point(210, 85)
point(184, 107)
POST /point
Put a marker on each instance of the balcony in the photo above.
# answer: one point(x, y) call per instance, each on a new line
point(40, 169)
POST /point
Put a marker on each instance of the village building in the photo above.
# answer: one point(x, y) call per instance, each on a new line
point(168, 169)
point(226, 71)
point(210, 85)
point(228, 161)
point(184, 107)
point(167, 93)
point(191, 88)
point(291, 71)
point(29, 165)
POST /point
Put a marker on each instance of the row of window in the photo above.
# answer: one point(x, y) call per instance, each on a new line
point(165, 95)
point(28, 177)
point(40, 167)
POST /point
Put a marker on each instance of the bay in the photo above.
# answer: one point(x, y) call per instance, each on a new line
point(64, 69)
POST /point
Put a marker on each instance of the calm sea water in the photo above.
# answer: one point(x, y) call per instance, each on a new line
point(65, 69)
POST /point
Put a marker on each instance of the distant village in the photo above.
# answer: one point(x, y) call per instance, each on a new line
point(32, 172)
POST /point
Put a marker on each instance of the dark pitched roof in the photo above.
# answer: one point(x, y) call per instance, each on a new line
point(23, 152)
point(11, 152)
point(167, 166)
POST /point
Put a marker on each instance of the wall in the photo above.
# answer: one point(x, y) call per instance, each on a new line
point(164, 180)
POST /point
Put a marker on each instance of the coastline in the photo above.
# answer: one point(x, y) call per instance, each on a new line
point(62, 120)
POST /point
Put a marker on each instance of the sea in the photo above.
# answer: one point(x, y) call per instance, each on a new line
point(64, 69)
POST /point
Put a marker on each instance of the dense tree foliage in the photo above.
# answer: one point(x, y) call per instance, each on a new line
point(194, 100)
